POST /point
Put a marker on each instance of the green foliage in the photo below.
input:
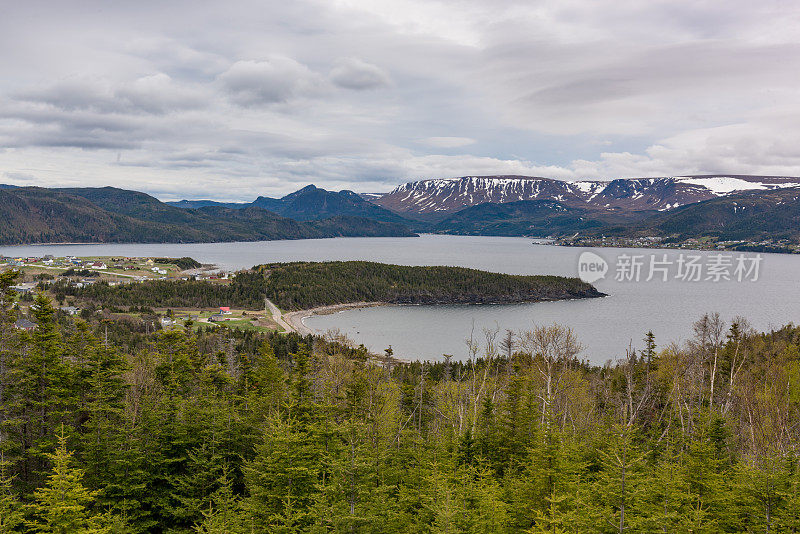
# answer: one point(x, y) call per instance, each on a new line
point(39, 396)
point(307, 284)
point(224, 514)
point(61, 506)
point(215, 431)
point(282, 477)
point(11, 513)
point(181, 263)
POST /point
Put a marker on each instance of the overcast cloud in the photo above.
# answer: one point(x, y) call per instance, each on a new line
point(231, 100)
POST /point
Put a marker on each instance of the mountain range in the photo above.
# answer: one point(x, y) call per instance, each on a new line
point(435, 198)
point(772, 215)
point(108, 214)
point(310, 203)
point(740, 207)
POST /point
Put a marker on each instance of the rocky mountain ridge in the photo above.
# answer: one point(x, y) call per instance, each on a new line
point(426, 198)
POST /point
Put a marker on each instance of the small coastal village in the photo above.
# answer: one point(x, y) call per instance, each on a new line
point(39, 272)
point(780, 246)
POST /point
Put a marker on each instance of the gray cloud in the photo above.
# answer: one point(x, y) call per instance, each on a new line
point(353, 73)
point(156, 94)
point(197, 98)
point(274, 80)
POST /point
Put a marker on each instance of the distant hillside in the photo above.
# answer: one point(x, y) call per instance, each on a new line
point(138, 205)
point(751, 216)
point(194, 204)
point(99, 215)
point(536, 218)
point(312, 202)
point(309, 203)
point(36, 215)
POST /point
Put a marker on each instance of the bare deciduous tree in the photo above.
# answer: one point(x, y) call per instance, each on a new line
point(551, 347)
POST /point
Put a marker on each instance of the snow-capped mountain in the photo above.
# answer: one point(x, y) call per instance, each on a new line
point(440, 196)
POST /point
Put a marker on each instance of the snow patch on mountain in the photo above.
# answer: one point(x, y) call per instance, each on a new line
point(725, 185)
point(722, 185)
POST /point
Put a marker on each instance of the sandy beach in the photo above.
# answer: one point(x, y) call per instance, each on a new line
point(295, 319)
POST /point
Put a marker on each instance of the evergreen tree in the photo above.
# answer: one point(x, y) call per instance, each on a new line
point(7, 345)
point(788, 516)
point(620, 483)
point(61, 506)
point(224, 515)
point(262, 382)
point(543, 495)
point(282, 478)
point(11, 513)
point(712, 504)
point(761, 490)
point(40, 395)
point(101, 381)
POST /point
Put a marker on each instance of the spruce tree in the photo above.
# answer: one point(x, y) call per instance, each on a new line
point(282, 478)
point(7, 349)
point(40, 395)
point(224, 514)
point(61, 506)
point(620, 483)
point(11, 510)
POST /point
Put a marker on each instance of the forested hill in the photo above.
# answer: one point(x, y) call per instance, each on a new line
point(539, 218)
point(752, 216)
point(110, 215)
point(310, 203)
point(295, 286)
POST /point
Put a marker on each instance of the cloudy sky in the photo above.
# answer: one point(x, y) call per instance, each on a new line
point(229, 100)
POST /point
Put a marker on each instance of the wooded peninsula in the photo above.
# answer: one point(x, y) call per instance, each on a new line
point(302, 285)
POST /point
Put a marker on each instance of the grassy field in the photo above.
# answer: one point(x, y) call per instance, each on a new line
point(241, 319)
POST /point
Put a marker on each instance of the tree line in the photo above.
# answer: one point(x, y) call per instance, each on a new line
point(219, 431)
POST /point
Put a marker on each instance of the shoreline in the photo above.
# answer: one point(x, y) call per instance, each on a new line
point(676, 248)
point(250, 241)
point(295, 319)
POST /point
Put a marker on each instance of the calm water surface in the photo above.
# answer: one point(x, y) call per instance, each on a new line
point(604, 326)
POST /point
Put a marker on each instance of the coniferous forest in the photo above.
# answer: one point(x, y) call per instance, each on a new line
point(299, 285)
point(221, 431)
